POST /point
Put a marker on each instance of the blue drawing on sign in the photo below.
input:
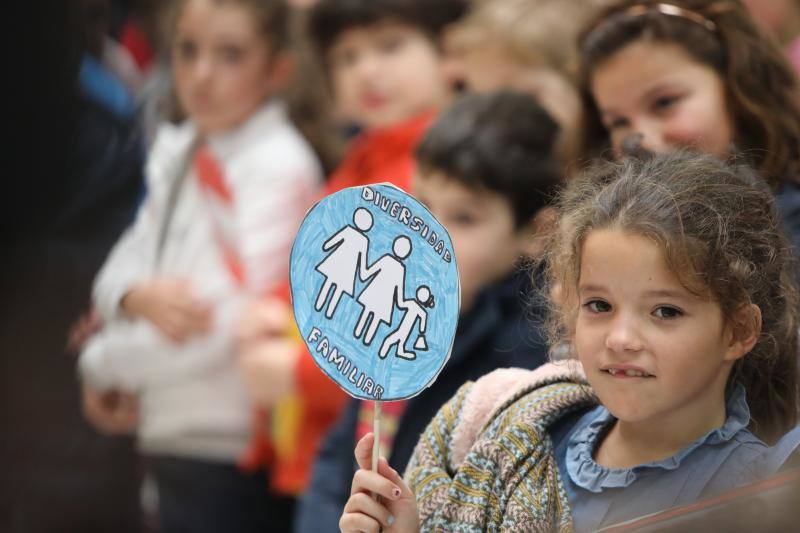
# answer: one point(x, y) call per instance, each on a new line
point(414, 311)
point(384, 291)
point(347, 258)
point(361, 254)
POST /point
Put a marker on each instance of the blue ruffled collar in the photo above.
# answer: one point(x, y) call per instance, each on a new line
point(586, 473)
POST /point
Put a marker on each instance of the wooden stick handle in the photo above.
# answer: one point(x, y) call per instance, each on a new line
point(376, 429)
point(376, 444)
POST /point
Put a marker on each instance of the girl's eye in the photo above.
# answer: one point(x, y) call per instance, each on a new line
point(231, 54)
point(344, 58)
point(665, 102)
point(597, 306)
point(617, 124)
point(391, 44)
point(667, 312)
point(187, 50)
point(464, 219)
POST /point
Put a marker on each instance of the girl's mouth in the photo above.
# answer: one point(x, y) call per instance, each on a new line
point(373, 100)
point(625, 373)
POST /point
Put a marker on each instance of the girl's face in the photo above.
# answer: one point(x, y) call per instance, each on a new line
point(385, 73)
point(657, 91)
point(224, 70)
point(488, 67)
point(653, 351)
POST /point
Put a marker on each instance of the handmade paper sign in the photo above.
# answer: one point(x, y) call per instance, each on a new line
point(375, 291)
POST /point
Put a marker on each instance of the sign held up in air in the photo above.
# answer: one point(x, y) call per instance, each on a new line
point(375, 291)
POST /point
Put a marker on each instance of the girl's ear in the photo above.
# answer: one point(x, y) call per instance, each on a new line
point(535, 234)
point(746, 328)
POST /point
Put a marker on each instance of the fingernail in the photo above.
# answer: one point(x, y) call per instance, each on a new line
point(396, 493)
point(390, 520)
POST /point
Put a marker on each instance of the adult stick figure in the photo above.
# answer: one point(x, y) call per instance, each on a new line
point(348, 258)
point(384, 291)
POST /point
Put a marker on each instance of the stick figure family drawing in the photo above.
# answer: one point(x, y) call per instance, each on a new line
point(385, 286)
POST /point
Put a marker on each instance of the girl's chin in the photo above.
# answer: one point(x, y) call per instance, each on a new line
point(626, 407)
point(210, 125)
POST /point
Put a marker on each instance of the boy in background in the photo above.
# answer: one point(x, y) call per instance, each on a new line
point(487, 170)
point(382, 60)
point(523, 45)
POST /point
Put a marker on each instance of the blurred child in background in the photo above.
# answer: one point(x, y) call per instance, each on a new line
point(780, 18)
point(382, 60)
point(487, 171)
point(694, 74)
point(523, 45)
point(226, 191)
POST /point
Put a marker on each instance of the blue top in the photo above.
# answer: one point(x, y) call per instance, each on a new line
point(722, 459)
point(103, 87)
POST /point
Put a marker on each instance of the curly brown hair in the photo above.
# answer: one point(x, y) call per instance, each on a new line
point(763, 94)
point(718, 228)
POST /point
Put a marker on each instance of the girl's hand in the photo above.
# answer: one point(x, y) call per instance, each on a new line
point(267, 369)
point(170, 305)
point(394, 511)
point(111, 412)
point(263, 319)
point(267, 353)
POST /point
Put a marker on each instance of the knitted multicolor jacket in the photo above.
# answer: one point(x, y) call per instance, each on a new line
point(485, 462)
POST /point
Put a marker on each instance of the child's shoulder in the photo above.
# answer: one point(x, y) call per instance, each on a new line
point(386, 152)
point(757, 456)
point(168, 152)
point(503, 388)
point(744, 458)
point(172, 140)
point(268, 140)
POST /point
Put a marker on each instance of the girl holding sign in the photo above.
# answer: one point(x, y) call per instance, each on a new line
point(680, 302)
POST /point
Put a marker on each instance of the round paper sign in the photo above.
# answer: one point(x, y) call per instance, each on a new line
point(375, 291)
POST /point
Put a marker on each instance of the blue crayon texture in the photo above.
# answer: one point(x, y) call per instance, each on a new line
point(375, 291)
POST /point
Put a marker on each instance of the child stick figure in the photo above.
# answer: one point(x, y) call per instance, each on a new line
point(414, 311)
point(347, 259)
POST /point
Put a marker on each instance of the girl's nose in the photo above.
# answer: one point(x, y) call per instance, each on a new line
point(369, 66)
point(647, 136)
point(202, 69)
point(632, 146)
point(623, 335)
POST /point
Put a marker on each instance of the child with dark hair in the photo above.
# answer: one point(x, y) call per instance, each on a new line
point(382, 61)
point(487, 170)
point(678, 299)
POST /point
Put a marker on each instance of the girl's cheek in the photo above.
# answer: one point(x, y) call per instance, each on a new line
point(690, 133)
